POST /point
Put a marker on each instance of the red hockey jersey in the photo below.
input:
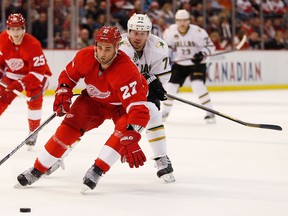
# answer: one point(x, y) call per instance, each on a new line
point(20, 60)
point(119, 84)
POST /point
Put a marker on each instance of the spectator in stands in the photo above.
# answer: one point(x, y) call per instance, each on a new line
point(216, 39)
point(91, 8)
point(60, 11)
point(225, 31)
point(197, 10)
point(186, 6)
point(276, 43)
point(278, 24)
point(212, 8)
point(213, 24)
point(82, 11)
point(200, 21)
point(254, 41)
point(154, 12)
point(101, 9)
point(90, 25)
point(83, 39)
point(117, 5)
point(278, 8)
point(244, 9)
point(267, 8)
point(40, 29)
point(269, 29)
point(62, 40)
point(100, 21)
point(167, 13)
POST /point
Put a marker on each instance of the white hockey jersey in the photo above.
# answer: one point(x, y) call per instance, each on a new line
point(184, 47)
point(155, 57)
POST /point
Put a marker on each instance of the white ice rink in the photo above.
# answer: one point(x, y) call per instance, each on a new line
point(222, 169)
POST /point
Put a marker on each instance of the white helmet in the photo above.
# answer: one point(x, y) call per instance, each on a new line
point(182, 14)
point(139, 22)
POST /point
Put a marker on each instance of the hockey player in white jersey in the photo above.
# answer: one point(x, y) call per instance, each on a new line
point(189, 47)
point(150, 54)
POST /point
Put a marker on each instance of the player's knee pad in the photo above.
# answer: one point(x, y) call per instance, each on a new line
point(67, 135)
point(64, 137)
point(155, 116)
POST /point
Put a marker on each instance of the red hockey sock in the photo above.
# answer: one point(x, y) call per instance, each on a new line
point(33, 124)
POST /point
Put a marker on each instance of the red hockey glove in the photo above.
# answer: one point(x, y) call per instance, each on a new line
point(62, 100)
point(130, 150)
point(16, 85)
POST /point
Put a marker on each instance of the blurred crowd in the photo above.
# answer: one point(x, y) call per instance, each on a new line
point(264, 22)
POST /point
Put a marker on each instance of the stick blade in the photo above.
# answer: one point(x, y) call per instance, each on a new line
point(271, 127)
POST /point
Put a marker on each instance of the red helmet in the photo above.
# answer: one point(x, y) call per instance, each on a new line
point(15, 20)
point(108, 34)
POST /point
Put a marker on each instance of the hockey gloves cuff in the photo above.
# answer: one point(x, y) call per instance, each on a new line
point(130, 151)
point(62, 100)
point(156, 90)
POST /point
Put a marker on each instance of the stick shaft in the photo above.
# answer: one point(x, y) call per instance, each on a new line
point(30, 135)
point(264, 126)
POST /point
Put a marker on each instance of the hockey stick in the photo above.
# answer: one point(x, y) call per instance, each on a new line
point(238, 47)
point(264, 126)
point(30, 135)
point(22, 95)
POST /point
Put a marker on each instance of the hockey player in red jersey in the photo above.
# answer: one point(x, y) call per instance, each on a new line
point(23, 66)
point(114, 90)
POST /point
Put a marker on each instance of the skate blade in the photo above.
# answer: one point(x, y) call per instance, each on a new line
point(85, 189)
point(211, 121)
point(19, 186)
point(168, 178)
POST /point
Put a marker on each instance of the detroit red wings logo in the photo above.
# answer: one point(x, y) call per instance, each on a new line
point(94, 92)
point(15, 64)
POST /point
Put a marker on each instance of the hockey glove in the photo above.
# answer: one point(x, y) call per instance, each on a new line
point(16, 85)
point(156, 90)
point(62, 100)
point(130, 151)
point(198, 57)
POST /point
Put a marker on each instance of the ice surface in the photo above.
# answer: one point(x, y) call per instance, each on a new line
point(221, 169)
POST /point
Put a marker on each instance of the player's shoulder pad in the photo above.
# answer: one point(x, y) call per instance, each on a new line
point(4, 38)
point(124, 42)
point(171, 29)
point(84, 55)
point(157, 44)
point(197, 29)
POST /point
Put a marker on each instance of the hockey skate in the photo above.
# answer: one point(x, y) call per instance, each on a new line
point(210, 118)
point(31, 141)
point(165, 170)
point(59, 163)
point(91, 178)
point(28, 177)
